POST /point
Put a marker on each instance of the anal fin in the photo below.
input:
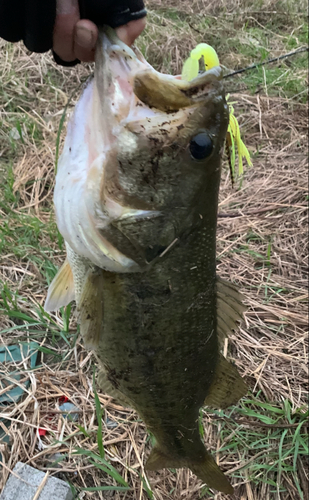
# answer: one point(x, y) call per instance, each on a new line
point(61, 290)
point(227, 386)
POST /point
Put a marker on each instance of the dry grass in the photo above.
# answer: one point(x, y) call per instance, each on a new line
point(262, 245)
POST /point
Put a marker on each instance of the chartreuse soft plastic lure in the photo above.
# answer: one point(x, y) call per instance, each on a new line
point(233, 139)
point(192, 65)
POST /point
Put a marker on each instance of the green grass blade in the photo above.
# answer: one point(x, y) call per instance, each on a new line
point(280, 454)
point(111, 471)
point(102, 464)
point(99, 412)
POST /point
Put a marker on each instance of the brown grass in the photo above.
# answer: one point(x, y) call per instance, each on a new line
point(262, 246)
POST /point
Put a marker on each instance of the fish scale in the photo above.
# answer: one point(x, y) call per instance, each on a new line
point(141, 248)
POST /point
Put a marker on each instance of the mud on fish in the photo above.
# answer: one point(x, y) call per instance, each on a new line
point(136, 201)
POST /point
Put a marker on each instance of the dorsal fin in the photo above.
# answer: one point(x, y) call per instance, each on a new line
point(229, 307)
point(61, 290)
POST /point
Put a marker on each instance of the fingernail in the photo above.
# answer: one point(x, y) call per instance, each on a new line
point(84, 38)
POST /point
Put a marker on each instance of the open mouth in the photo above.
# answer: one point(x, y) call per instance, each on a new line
point(170, 94)
point(156, 90)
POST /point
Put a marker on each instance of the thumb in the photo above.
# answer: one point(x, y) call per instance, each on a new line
point(129, 32)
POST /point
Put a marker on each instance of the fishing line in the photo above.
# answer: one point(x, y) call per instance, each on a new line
point(257, 65)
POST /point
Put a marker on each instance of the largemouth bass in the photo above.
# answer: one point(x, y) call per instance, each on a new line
point(136, 201)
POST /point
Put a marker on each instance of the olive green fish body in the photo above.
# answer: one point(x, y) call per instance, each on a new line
point(159, 344)
point(136, 201)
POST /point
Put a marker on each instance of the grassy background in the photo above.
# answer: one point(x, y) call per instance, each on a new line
point(262, 245)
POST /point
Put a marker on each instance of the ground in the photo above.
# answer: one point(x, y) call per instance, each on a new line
point(261, 443)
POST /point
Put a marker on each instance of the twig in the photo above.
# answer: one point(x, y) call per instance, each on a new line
point(195, 29)
point(256, 212)
point(250, 460)
point(256, 65)
point(253, 423)
point(41, 486)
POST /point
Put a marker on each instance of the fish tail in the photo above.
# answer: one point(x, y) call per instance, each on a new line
point(205, 469)
point(211, 474)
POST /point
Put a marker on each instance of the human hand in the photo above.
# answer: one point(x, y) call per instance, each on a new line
point(75, 38)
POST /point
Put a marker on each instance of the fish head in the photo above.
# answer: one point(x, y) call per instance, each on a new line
point(148, 146)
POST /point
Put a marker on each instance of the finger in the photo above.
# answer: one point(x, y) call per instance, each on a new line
point(85, 39)
point(63, 38)
point(129, 32)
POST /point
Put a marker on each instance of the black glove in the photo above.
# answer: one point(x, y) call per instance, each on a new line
point(114, 13)
point(33, 20)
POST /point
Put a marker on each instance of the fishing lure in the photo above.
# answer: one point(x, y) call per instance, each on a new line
point(190, 70)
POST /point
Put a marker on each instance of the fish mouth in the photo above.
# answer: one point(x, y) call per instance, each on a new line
point(155, 90)
point(170, 94)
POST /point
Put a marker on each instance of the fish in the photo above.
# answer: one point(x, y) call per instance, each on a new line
point(136, 201)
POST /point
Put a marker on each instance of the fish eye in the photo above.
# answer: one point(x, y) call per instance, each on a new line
point(201, 146)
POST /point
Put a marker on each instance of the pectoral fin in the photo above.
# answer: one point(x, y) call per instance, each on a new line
point(90, 309)
point(61, 290)
point(227, 386)
point(229, 307)
point(211, 474)
point(206, 469)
